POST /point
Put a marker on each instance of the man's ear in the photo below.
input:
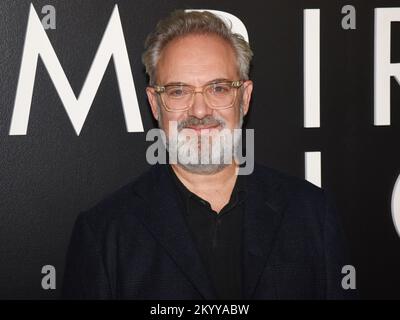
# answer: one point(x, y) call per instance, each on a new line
point(152, 97)
point(247, 90)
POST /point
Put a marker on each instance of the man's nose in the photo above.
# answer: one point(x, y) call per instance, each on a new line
point(200, 108)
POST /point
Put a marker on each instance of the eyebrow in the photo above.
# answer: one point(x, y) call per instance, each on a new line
point(186, 84)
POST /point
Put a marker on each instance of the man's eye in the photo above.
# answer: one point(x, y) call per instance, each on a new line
point(220, 89)
point(177, 92)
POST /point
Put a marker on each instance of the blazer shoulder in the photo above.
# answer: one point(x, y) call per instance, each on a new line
point(291, 187)
point(303, 202)
point(124, 200)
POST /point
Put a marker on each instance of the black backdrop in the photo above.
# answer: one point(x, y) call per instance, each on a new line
point(50, 174)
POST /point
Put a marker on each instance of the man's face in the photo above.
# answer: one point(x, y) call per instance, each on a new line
point(197, 60)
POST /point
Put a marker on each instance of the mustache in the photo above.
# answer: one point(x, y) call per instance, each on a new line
point(206, 121)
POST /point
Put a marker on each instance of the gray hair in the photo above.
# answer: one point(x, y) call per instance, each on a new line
point(181, 23)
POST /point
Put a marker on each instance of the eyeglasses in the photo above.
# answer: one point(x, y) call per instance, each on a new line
point(180, 97)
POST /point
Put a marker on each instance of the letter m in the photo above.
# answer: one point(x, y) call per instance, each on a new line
point(112, 45)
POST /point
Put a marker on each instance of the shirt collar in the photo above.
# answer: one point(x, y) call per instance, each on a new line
point(238, 192)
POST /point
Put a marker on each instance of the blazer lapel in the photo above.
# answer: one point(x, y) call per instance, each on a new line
point(263, 216)
point(166, 222)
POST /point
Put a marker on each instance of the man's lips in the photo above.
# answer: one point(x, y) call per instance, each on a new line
point(199, 128)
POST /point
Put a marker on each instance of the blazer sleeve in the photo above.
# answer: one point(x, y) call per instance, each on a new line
point(336, 254)
point(85, 275)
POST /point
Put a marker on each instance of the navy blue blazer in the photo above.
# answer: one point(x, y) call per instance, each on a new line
point(135, 244)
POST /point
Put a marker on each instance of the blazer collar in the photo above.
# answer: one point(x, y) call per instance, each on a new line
point(165, 220)
point(263, 215)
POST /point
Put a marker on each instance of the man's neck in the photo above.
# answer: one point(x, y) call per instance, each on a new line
point(215, 188)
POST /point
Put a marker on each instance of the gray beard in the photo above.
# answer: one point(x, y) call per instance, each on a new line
point(210, 167)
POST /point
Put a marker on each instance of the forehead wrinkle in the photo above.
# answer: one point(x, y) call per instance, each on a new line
point(206, 59)
point(195, 77)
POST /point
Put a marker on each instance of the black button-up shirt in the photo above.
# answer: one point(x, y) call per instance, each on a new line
point(218, 236)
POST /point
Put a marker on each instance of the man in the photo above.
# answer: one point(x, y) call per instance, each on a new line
point(196, 229)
